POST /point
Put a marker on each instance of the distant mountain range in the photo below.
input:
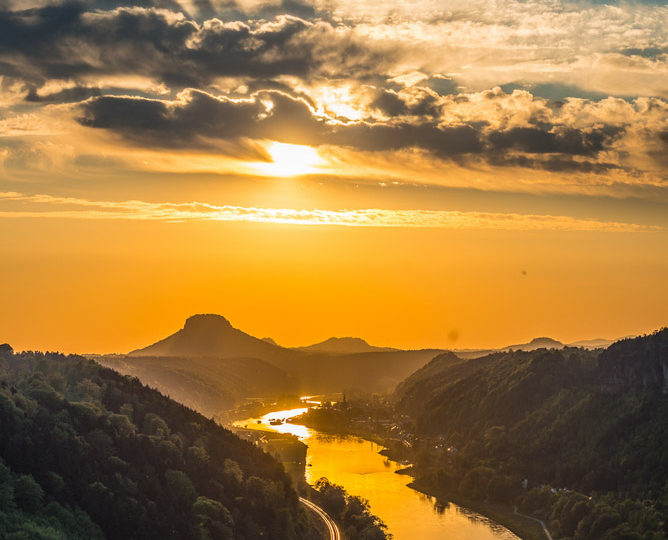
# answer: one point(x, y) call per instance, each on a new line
point(349, 345)
point(213, 336)
point(210, 365)
point(344, 345)
point(536, 343)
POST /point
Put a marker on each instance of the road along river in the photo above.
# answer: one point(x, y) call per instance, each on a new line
point(356, 465)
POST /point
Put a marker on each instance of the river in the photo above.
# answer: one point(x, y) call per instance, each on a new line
point(356, 465)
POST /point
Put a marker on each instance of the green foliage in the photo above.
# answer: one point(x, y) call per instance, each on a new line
point(28, 494)
point(351, 512)
point(86, 453)
point(215, 520)
point(24, 516)
point(572, 420)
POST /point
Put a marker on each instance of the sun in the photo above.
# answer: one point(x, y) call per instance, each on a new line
point(290, 160)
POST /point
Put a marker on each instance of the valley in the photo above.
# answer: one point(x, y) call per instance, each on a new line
point(478, 447)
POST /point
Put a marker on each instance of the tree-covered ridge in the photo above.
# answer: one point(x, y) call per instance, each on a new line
point(89, 453)
point(591, 425)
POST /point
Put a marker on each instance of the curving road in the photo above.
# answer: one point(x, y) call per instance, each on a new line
point(542, 524)
point(332, 527)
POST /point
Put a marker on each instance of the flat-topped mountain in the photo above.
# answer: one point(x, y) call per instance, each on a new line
point(211, 336)
point(343, 345)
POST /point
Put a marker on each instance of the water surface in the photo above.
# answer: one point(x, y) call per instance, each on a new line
point(356, 465)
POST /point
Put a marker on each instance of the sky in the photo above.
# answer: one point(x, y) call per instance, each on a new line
point(420, 173)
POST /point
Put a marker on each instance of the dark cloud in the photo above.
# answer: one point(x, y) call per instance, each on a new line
point(654, 53)
point(392, 104)
point(197, 9)
point(534, 140)
point(561, 164)
point(156, 123)
point(199, 120)
point(66, 41)
point(289, 7)
point(443, 86)
point(389, 103)
point(201, 117)
point(443, 142)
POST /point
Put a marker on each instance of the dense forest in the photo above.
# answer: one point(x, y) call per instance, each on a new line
point(351, 512)
point(576, 437)
point(88, 453)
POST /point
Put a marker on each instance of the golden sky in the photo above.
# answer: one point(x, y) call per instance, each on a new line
point(422, 176)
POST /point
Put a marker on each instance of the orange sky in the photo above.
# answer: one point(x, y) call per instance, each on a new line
point(419, 174)
point(104, 287)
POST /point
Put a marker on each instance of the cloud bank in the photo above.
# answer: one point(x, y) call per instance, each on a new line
point(561, 87)
point(47, 206)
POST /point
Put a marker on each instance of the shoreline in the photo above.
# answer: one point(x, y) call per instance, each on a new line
point(501, 514)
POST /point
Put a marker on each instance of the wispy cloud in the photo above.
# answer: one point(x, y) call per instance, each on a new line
point(19, 205)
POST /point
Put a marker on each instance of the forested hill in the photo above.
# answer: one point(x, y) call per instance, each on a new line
point(87, 453)
point(593, 421)
point(508, 385)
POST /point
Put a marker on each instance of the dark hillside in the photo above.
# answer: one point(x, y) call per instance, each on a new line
point(208, 385)
point(591, 421)
point(95, 453)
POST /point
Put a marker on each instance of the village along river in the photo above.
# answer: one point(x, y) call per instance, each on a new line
point(356, 465)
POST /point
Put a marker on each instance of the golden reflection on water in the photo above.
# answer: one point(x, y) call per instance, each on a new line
point(356, 465)
point(263, 423)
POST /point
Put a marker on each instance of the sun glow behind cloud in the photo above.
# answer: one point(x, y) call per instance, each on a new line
point(289, 160)
point(75, 208)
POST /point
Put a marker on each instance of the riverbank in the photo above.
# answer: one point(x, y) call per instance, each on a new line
point(395, 450)
point(503, 514)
